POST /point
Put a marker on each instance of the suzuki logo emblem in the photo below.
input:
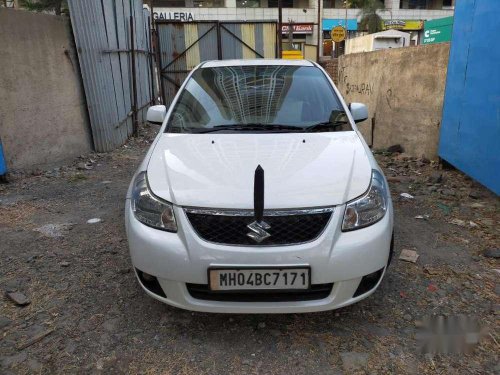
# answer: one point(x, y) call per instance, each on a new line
point(258, 231)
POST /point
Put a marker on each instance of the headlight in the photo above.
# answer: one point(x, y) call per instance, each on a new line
point(149, 209)
point(369, 208)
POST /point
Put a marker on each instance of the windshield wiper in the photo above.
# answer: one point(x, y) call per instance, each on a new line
point(337, 118)
point(248, 127)
point(325, 124)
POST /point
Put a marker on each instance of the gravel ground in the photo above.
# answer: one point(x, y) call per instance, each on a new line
point(87, 314)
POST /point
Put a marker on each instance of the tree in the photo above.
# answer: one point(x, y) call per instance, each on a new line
point(370, 18)
point(56, 6)
point(355, 3)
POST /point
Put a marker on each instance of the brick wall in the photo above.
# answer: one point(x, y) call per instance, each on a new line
point(332, 68)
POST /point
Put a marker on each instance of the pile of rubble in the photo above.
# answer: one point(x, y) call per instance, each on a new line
point(444, 191)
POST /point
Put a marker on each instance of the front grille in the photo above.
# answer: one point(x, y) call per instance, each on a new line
point(316, 292)
point(286, 227)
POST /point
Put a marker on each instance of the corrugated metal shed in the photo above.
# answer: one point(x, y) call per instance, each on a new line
point(102, 31)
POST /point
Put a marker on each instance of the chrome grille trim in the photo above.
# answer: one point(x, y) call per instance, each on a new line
point(250, 213)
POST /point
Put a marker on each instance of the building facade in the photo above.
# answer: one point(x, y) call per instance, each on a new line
point(377, 41)
point(302, 16)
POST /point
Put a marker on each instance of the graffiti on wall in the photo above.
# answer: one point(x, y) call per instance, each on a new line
point(363, 88)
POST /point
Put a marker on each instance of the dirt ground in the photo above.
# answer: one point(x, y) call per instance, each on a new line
point(87, 314)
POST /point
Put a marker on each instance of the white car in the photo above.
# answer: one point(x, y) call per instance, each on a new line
point(259, 194)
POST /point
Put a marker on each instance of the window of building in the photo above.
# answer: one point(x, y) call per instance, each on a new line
point(413, 4)
point(284, 3)
point(248, 4)
point(189, 3)
point(208, 3)
point(169, 3)
point(447, 3)
point(333, 4)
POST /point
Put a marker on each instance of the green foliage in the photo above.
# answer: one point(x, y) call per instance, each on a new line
point(57, 6)
point(370, 19)
point(355, 4)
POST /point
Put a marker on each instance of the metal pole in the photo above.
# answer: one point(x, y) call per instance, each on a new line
point(154, 56)
point(280, 26)
point(160, 67)
point(346, 2)
point(276, 44)
point(135, 125)
point(151, 66)
point(219, 42)
point(320, 30)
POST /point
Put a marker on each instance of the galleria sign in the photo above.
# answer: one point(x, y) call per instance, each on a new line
point(173, 16)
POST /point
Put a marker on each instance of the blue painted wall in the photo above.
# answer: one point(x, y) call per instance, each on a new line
point(3, 166)
point(470, 130)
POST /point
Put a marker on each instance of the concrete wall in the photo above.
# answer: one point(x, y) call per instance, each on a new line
point(43, 118)
point(404, 89)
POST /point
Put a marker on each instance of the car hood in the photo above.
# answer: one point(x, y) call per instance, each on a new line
point(300, 170)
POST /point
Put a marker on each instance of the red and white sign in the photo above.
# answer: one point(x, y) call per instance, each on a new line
point(298, 28)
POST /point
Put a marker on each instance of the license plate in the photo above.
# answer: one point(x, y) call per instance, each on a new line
point(259, 279)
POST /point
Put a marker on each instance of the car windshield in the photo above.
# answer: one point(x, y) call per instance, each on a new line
point(258, 99)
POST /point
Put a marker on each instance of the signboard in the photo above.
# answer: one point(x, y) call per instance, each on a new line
point(338, 34)
point(403, 25)
point(292, 55)
point(298, 28)
point(330, 23)
point(438, 31)
point(395, 24)
point(160, 15)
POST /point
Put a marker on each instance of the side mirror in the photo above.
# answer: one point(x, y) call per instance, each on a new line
point(359, 112)
point(156, 114)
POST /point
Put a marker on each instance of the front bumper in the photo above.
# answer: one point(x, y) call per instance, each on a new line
point(176, 259)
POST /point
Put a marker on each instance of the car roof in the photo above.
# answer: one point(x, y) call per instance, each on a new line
point(253, 62)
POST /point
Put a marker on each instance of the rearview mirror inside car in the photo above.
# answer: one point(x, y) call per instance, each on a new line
point(156, 114)
point(359, 112)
